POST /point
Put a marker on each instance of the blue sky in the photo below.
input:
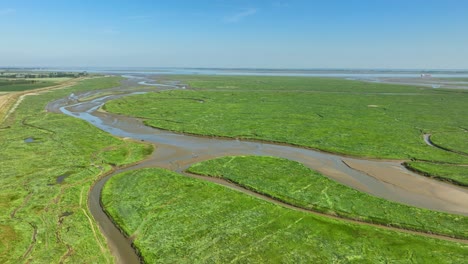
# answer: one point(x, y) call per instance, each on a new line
point(263, 34)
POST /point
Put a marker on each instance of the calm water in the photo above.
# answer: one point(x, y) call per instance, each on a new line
point(344, 73)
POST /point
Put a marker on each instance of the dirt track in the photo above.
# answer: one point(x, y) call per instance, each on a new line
point(9, 101)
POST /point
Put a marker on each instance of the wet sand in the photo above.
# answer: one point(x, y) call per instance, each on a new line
point(177, 152)
point(435, 83)
point(119, 245)
point(386, 179)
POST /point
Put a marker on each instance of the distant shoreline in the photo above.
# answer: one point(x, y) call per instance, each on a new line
point(344, 73)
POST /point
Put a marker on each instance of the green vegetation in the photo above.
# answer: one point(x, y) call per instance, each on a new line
point(304, 84)
point(455, 79)
point(293, 183)
point(455, 141)
point(445, 172)
point(21, 85)
point(48, 163)
point(43, 203)
point(340, 116)
point(184, 220)
point(9, 74)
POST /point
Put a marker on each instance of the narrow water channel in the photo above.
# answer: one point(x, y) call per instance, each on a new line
point(386, 179)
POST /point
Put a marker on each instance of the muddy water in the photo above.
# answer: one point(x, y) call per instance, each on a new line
point(120, 246)
point(427, 140)
point(61, 178)
point(386, 179)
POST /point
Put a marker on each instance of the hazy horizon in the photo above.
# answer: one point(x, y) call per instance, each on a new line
point(228, 68)
point(417, 35)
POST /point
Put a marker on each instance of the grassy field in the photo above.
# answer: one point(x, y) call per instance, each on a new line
point(456, 141)
point(22, 85)
point(340, 116)
point(305, 84)
point(293, 183)
point(47, 165)
point(51, 79)
point(445, 172)
point(184, 220)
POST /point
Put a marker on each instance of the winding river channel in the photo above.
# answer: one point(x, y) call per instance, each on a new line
point(383, 178)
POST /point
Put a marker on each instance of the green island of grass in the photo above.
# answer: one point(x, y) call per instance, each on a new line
point(446, 172)
point(455, 141)
point(22, 85)
point(355, 118)
point(185, 220)
point(293, 183)
point(340, 116)
point(48, 163)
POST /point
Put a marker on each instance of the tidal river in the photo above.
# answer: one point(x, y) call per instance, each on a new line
point(383, 178)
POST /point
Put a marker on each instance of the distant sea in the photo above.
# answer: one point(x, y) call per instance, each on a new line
point(344, 73)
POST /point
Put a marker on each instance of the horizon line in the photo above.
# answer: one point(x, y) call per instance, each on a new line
point(236, 68)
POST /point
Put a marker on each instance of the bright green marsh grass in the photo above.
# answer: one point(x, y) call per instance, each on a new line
point(305, 84)
point(31, 196)
point(176, 219)
point(293, 183)
point(456, 141)
point(371, 121)
point(446, 172)
point(22, 85)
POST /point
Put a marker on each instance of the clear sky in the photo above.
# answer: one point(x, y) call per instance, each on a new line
point(237, 33)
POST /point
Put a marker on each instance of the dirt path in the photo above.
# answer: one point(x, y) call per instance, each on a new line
point(10, 101)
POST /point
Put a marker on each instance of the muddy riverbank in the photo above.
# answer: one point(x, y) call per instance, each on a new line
point(386, 179)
